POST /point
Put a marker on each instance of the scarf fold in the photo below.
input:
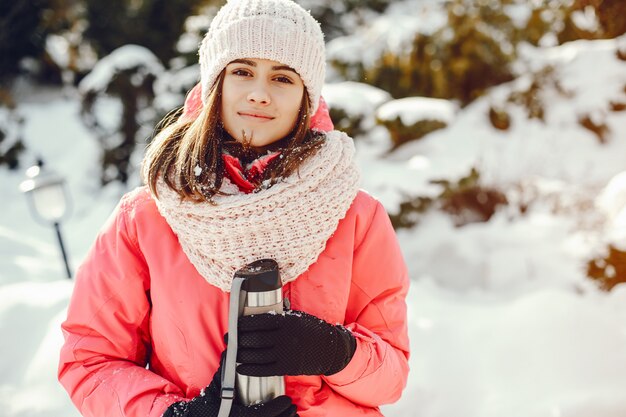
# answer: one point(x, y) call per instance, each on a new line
point(289, 222)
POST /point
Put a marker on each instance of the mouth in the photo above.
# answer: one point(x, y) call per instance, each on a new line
point(256, 116)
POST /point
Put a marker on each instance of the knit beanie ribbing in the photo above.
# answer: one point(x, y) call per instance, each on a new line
point(277, 30)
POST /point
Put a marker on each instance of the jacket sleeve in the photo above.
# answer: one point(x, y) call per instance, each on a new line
point(377, 316)
point(107, 338)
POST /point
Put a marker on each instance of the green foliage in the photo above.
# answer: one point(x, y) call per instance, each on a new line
point(155, 24)
point(458, 61)
point(11, 143)
point(466, 200)
point(21, 34)
point(530, 98)
point(608, 270)
point(410, 211)
point(10, 156)
point(617, 105)
point(25, 27)
point(499, 118)
point(598, 128)
point(332, 14)
point(555, 17)
point(400, 133)
point(352, 125)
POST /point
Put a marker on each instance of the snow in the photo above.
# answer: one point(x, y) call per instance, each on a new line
point(586, 19)
point(612, 201)
point(30, 318)
point(549, 353)
point(58, 48)
point(518, 13)
point(123, 58)
point(412, 110)
point(502, 257)
point(393, 31)
point(171, 87)
point(502, 320)
point(356, 99)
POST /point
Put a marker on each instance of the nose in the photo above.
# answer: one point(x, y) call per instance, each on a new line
point(259, 95)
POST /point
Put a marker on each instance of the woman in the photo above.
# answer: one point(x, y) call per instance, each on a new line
point(241, 179)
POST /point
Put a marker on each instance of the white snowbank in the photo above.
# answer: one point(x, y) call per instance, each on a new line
point(412, 110)
point(30, 318)
point(548, 353)
point(612, 201)
point(123, 58)
point(356, 99)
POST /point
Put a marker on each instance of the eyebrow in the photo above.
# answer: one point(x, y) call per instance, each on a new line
point(253, 64)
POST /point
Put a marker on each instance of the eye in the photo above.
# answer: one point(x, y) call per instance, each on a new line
point(283, 79)
point(242, 72)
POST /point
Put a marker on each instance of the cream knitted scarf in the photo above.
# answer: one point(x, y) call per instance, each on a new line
point(289, 222)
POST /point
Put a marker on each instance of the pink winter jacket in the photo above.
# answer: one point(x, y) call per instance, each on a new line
point(145, 330)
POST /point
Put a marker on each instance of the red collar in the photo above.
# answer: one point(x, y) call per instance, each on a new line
point(245, 179)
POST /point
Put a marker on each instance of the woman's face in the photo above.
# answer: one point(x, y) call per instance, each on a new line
point(261, 98)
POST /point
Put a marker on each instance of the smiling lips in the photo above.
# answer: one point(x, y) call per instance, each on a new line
point(256, 116)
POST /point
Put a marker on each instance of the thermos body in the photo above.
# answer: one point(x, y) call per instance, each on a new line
point(261, 293)
point(263, 302)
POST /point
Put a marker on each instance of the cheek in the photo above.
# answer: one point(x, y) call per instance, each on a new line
point(231, 92)
point(226, 98)
point(227, 101)
point(294, 102)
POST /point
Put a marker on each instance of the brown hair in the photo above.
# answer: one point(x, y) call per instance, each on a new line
point(183, 147)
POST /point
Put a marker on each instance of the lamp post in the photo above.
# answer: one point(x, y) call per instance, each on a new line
point(48, 200)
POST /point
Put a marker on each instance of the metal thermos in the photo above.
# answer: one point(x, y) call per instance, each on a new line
point(261, 292)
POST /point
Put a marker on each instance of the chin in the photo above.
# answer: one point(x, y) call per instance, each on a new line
point(263, 142)
point(259, 140)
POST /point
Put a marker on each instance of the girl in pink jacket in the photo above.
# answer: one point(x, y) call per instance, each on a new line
point(243, 177)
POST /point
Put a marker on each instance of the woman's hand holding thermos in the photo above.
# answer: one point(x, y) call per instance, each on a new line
point(207, 404)
point(292, 343)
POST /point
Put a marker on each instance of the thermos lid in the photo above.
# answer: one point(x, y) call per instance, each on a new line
point(260, 276)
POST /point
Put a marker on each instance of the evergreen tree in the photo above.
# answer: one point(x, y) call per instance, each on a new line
point(21, 33)
point(155, 24)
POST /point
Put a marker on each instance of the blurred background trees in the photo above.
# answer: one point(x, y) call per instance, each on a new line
point(60, 42)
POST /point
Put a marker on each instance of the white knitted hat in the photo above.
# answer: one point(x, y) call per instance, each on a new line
point(277, 30)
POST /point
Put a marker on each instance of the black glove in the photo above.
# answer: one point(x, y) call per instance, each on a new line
point(293, 343)
point(207, 404)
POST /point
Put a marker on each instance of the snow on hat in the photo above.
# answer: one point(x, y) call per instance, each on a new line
point(277, 30)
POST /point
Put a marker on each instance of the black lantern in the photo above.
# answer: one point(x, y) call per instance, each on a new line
point(48, 200)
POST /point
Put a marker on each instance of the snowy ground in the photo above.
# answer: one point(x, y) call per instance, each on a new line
point(502, 320)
